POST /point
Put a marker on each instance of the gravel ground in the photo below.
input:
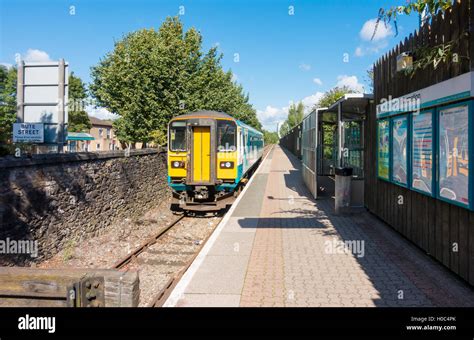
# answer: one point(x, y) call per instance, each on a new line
point(113, 243)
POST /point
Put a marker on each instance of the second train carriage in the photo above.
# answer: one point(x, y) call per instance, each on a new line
point(210, 156)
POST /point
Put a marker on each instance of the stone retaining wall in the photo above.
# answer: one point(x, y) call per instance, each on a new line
point(56, 199)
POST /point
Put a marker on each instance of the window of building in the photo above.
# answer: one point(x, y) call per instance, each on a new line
point(108, 133)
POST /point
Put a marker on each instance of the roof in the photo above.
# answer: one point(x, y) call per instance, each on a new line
point(205, 113)
point(101, 122)
point(352, 103)
point(213, 114)
point(79, 136)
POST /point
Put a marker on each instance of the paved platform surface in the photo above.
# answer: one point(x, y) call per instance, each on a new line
point(279, 247)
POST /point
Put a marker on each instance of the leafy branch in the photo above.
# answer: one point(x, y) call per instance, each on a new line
point(436, 55)
point(428, 8)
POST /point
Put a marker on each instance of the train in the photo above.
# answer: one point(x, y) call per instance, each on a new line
point(211, 156)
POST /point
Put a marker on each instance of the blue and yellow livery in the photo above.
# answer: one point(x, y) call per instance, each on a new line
point(210, 156)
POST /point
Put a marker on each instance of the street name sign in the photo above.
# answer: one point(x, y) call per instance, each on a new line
point(28, 133)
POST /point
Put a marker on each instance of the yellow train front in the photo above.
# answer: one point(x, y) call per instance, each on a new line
point(210, 156)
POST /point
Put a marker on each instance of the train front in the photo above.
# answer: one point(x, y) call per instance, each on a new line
point(202, 161)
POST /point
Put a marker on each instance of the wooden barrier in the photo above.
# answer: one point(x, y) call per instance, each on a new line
point(30, 287)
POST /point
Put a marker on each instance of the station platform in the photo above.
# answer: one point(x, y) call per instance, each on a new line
point(279, 247)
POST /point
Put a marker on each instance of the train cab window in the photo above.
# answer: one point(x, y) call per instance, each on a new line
point(226, 135)
point(178, 136)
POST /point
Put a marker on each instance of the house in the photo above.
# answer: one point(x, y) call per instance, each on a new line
point(101, 137)
point(104, 136)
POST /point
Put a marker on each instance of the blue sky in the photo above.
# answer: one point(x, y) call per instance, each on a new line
point(281, 57)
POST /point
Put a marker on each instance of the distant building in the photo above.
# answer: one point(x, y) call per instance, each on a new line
point(78, 141)
point(104, 135)
point(101, 137)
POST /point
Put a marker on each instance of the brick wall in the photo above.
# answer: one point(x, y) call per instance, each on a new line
point(57, 198)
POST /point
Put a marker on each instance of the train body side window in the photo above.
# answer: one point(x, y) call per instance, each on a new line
point(178, 136)
point(226, 135)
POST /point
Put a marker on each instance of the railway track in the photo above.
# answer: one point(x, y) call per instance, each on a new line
point(145, 245)
point(146, 254)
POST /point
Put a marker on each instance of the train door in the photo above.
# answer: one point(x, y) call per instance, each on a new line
point(201, 154)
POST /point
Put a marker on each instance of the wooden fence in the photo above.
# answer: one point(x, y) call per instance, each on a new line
point(453, 26)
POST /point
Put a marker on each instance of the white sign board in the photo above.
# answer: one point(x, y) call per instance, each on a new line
point(42, 98)
point(28, 133)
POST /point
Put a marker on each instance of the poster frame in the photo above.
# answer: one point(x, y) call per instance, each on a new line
point(408, 146)
point(389, 149)
point(434, 141)
point(468, 103)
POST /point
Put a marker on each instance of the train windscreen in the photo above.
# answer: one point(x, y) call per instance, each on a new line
point(226, 135)
point(177, 136)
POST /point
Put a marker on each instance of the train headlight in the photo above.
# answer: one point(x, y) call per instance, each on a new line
point(227, 165)
point(177, 164)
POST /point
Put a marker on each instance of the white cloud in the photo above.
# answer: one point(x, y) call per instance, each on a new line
point(271, 116)
point(312, 100)
point(305, 67)
point(33, 55)
point(100, 113)
point(380, 40)
point(373, 48)
point(7, 65)
point(317, 81)
point(368, 29)
point(350, 81)
point(234, 77)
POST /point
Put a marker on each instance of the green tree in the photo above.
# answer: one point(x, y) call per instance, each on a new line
point(8, 81)
point(143, 80)
point(370, 79)
point(78, 119)
point(295, 114)
point(332, 96)
point(270, 137)
point(211, 88)
point(329, 98)
point(284, 129)
point(152, 76)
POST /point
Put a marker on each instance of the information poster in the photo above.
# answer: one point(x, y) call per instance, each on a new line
point(399, 150)
point(454, 154)
point(422, 150)
point(383, 148)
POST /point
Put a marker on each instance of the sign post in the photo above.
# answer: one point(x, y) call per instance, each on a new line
point(42, 96)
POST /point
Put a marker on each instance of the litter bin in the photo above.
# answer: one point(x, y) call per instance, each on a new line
point(343, 189)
